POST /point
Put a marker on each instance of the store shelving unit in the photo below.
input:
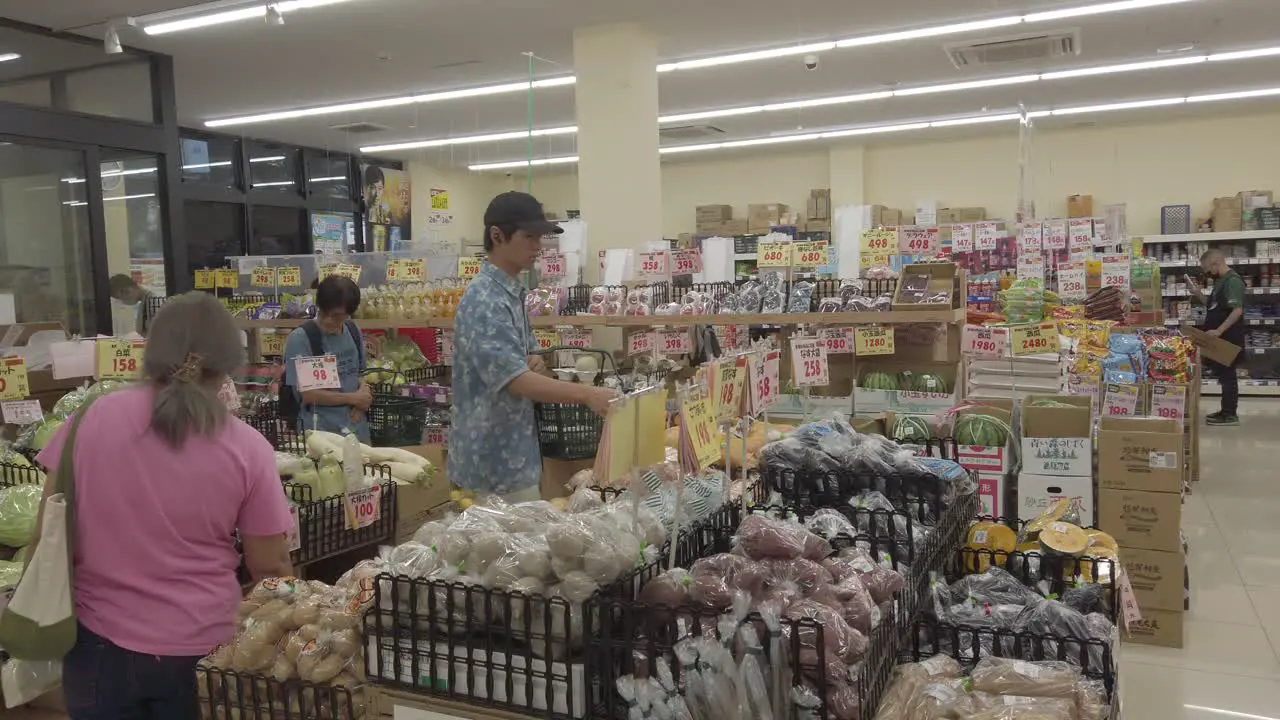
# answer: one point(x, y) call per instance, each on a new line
point(1248, 388)
point(1243, 235)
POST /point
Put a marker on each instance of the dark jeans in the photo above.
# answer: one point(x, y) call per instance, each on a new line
point(102, 681)
point(1230, 385)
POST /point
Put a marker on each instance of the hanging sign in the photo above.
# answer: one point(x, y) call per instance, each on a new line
point(986, 235)
point(120, 359)
point(1071, 282)
point(674, 342)
point(206, 279)
point(551, 265)
point(686, 262)
point(873, 340)
point(1033, 339)
point(773, 255)
point(914, 240)
point(809, 254)
point(653, 264)
point(1030, 238)
point(469, 267)
point(13, 379)
point(1055, 235)
point(839, 341)
point(319, 372)
point(962, 238)
point(809, 362)
point(263, 277)
point(1115, 272)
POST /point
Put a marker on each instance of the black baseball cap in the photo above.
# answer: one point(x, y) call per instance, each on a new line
point(521, 210)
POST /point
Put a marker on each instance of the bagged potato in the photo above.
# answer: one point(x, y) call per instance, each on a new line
point(1048, 679)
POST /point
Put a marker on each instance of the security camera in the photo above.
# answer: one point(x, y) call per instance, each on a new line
point(810, 62)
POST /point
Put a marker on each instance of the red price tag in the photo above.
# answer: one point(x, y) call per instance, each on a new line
point(318, 373)
point(985, 342)
point(674, 342)
point(364, 507)
point(576, 338)
point(686, 262)
point(640, 343)
point(839, 341)
point(653, 264)
point(763, 379)
point(986, 235)
point(809, 362)
point(962, 238)
point(551, 265)
point(435, 435)
point(919, 240)
point(1055, 235)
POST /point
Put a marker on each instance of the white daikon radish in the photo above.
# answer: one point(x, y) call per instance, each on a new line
point(395, 455)
point(409, 473)
point(322, 444)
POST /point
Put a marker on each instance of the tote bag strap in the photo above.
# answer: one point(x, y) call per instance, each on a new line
point(66, 475)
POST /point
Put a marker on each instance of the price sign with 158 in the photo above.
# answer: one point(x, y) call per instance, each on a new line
point(120, 359)
point(809, 362)
point(319, 372)
point(1034, 339)
point(873, 340)
point(1080, 233)
point(1120, 400)
point(985, 342)
point(364, 506)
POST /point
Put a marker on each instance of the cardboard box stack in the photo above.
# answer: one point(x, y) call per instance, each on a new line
point(992, 464)
point(710, 217)
point(1228, 214)
point(763, 216)
point(888, 217)
point(1140, 477)
point(1251, 201)
point(1079, 206)
point(819, 206)
point(1056, 455)
point(952, 216)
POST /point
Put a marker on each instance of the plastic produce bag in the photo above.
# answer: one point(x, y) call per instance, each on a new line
point(19, 510)
point(907, 681)
point(1045, 679)
point(25, 680)
point(995, 586)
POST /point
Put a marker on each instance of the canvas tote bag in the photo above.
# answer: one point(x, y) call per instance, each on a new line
point(40, 621)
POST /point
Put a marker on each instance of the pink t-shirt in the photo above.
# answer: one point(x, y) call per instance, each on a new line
point(155, 559)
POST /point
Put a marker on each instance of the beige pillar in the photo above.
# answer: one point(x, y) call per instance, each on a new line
point(848, 186)
point(619, 180)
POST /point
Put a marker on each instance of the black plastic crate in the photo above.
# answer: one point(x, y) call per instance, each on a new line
point(491, 648)
point(396, 421)
point(229, 695)
point(12, 474)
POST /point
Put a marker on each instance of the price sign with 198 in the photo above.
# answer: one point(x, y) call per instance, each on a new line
point(319, 372)
point(1071, 281)
point(1120, 400)
point(919, 240)
point(809, 362)
point(364, 506)
point(763, 379)
point(1034, 339)
point(653, 264)
point(839, 341)
point(1169, 402)
point(873, 340)
point(686, 262)
point(985, 342)
point(674, 342)
point(1115, 272)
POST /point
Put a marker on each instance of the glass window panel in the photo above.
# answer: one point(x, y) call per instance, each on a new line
point(133, 230)
point(215, 232)
point(122, 91)
point(210, 161)
point(45, 71)
point(328, 175)
point(278, 231)
point(273, 167)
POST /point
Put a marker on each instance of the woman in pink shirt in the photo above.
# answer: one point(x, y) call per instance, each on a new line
point(165, 477)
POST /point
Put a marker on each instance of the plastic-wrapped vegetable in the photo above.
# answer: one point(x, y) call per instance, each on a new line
point(995, 586)
point(1045, 679)
point(19, 510)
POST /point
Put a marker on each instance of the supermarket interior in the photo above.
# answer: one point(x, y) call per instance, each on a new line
point(886, 361)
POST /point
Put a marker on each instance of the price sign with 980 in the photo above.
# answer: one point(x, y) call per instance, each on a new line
point(318, 372)
point(809, 362)
point(839, 341)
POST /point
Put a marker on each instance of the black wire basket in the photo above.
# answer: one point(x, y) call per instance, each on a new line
point(396, 421)
point(566, 431)
point(12, 474)
point(323, 529)
point(228, 695)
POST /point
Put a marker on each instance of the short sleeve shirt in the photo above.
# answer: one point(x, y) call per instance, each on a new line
point(493, 438)
point(155, 555)
point(1233, 290)
point(332, 418)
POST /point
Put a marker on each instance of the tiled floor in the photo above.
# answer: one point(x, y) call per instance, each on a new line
point(1229, 668)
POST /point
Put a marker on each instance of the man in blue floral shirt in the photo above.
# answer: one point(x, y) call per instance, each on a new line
point(493, 441)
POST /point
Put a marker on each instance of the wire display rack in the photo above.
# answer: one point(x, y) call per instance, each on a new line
point(230, 695)
point(12, 474)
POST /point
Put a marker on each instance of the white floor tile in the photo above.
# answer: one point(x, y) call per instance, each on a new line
point(1152, 692)
point(1212, 647)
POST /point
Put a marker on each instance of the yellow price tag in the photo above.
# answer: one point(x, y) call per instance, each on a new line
point(263, 277)
point(773, 255)
point(700, 427)
point(875, 247)
point(730, 381)
point(873, 341)
point(809, 254)
point(469, 267)
point(327, 270)
point(289, 276)
point(228, 279)
point(270, 343)
point(546, 339)
point(120, 359)
point(13, 379)
point(350, 272)
point(406, 270)
point(206, 280)
point(1033, 339)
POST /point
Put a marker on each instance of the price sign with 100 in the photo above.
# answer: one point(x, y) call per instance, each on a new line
point(1071, 282)
point(809, 362)
point(1115, 272)
point(919, 240)
point(13, 379)
point(985, 342)
point(1034, 339)
point(839, 341)
point(1120, 400)
point(120, 359)
point(873, 340)
point(318, 372)
point(773, 255)
point(1169, 402)
point(653, 264)
point(364, 506)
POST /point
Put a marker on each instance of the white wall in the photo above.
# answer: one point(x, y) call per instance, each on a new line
point(469, 195)
point(1146, 165)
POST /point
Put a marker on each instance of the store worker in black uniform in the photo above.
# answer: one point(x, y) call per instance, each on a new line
point(1224, 312)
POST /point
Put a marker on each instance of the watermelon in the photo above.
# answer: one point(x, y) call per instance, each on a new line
point(912, 429)
point(929, 383)
point(1049, 402)
point(979, 429)
point(877, 380)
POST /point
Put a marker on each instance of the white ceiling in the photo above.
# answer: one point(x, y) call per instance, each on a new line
point(379, 48)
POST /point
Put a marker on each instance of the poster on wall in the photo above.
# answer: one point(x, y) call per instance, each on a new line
point(439, 199)
point(328, 233)
point(388, 198)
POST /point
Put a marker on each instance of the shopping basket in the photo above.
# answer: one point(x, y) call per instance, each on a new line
point(570, 432)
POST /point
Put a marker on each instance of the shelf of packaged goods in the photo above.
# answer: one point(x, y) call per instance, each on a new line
point(1230, 261)
point(1213, 237)
point(1248, 388)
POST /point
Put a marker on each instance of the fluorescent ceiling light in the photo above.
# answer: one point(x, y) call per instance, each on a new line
point(730, 112)
point(6, 57)
point(112, 173)
point(1125, 67)
point(907, 126)
point(333, 178)
point(79, 203)
point(467, 139)
point(267, 158)
point(821, 102)
point(733, 58)
point(275, 183)
point(525, 163)
point(197, 166)
point(1244, 54)
point(1099, 9)
point(192, 18)
point(970, 85)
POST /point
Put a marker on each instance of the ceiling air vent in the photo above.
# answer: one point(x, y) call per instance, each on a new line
point(360, 128)
point(689, 132)
point(1015, 49)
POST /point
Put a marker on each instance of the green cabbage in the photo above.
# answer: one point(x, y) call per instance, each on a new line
point(45, 432)
point(10, 573)
point(19, 508)
point(21, 555)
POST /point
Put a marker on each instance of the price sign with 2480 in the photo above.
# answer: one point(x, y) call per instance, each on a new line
point(1034, 339)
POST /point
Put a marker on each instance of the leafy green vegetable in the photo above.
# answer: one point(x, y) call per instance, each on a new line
point(19, 508)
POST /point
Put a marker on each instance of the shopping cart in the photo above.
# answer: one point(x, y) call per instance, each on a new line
point(566, 431)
